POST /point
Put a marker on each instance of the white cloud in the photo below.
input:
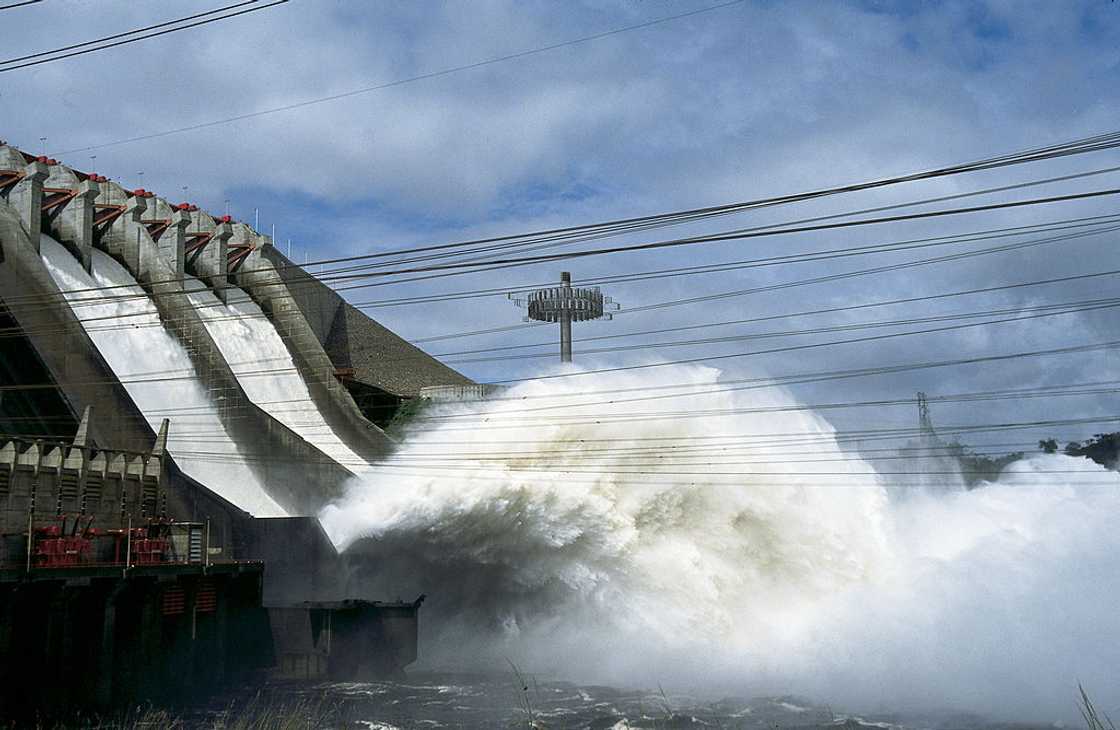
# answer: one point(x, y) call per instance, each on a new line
point(735, 103)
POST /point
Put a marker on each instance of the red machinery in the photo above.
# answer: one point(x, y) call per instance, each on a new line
point(55, 547)
point(148, 545)
point(70, 541)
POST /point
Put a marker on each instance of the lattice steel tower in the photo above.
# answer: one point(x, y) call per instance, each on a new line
point(926, 432)
point(566, 304)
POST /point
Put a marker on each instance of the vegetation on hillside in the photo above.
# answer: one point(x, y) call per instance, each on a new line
point(976, 468)
point(1103, 448)
point(405, 416)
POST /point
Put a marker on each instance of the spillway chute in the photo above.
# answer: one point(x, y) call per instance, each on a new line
point(158, 374)
point(265, 368)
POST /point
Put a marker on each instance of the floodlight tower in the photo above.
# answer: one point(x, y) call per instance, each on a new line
point(566, 304)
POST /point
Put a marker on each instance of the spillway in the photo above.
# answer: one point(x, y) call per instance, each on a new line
point(264, 367)
point(158, 374)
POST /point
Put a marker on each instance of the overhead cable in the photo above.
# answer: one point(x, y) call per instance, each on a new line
point(141, 37)
point(400, 82)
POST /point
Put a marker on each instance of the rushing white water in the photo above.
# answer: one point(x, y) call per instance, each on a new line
point(700, 552)
point(158, 375)
point(264, 367)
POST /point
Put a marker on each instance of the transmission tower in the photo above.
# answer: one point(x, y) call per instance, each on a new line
point(925, 424)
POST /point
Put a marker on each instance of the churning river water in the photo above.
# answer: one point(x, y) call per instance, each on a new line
point(503, 700)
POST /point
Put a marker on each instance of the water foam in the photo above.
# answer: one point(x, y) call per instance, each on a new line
point(250, 344)
point(771, 575)
point(129, 335)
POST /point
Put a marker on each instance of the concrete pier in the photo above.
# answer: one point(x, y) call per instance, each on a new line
point(94, 637)
point(168, 225)
point(345, 640)
point(207, 251)
point(259, 278)
point(25, 193)
point(68, 210)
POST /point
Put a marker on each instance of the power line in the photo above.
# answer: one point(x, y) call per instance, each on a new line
point(486, 420)
point(768, 441)
point(94, 300)
point(124, 380)
point(788, 315)
point(20, 4)
point(793, 438)
point(141, 38)
point(339, 275)
point(808, 256)
point(531, 244)
point(819, 376)
point(968, 397)
point(790, 348)
point(1085, 305)
point(1080, 146)
point(737, 236)
point(86, 301)
point(731, 450)
point(1096, 143)
point(401, 82)
point(77, 303)
point(124, 34)
point(1065, 389)
point(1105, 141)
point(182, 413)
point(1045, 310)
point(827, 278)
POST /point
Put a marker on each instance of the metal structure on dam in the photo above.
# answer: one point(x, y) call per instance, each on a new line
point(112, 556)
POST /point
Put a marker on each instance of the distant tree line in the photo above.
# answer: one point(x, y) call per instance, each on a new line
point(1103, 448)
point(976, 468)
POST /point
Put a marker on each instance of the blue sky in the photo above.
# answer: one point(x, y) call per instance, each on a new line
point(755, 99)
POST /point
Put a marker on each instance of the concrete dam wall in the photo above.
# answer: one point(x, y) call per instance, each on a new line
point(148, 310)
point(174, 414)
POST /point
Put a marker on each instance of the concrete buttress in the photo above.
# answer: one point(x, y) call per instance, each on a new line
point(259, 278)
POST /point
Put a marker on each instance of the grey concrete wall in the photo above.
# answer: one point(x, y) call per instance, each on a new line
point(74, 362)
point(172, 241)
point(301, 562)
point(259, 278)
point(73, 222)
point(317, 302)
point(48, 479)
point(86, 380)
point(351, 339)
point(211, 262)
point(296, 474)
point(26, 196)
point(300, 477)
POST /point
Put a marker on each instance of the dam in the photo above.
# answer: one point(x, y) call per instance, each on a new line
point(178, 401)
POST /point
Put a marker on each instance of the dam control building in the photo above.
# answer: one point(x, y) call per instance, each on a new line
point(178, 400)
